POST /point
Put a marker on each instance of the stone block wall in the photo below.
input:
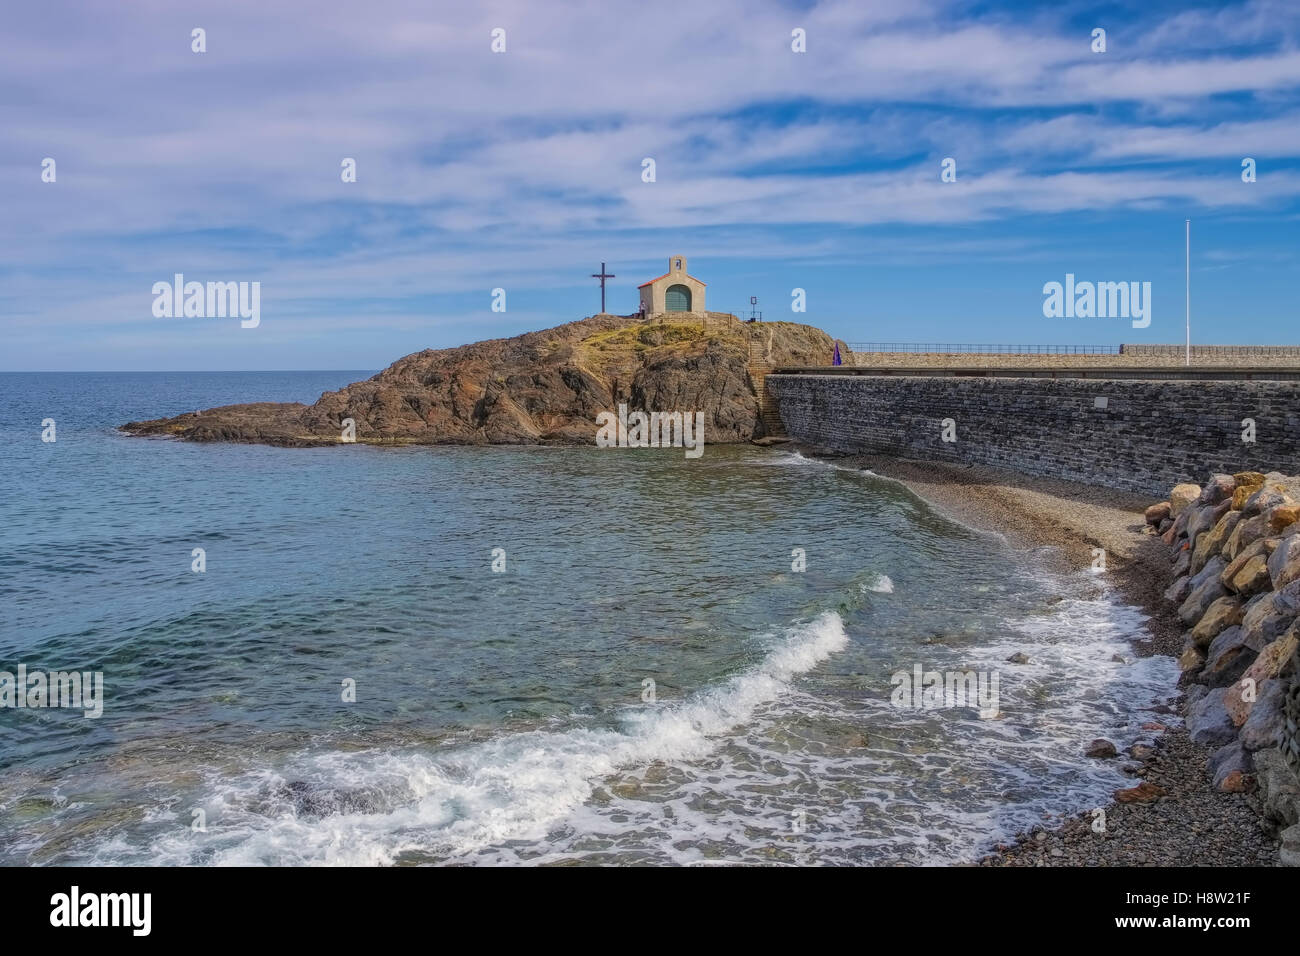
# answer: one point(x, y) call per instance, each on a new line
point(1135, 434)
point(1142, 356)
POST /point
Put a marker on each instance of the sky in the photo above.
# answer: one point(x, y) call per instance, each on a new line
point(522, 170)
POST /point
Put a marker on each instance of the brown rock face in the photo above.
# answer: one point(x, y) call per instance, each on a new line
point(1222, 614)
point(543, 387)
point(1157, 513)
point(1182, 496)
point(1272, 660)
point(1245, 491)
point(1247, 574)
point(1283, 517)
point(1211, 542)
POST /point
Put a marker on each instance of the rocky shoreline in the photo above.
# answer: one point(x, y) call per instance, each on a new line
point(1178, 812)
point(539, 388)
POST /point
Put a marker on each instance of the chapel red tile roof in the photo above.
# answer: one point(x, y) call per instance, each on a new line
point(665, 276)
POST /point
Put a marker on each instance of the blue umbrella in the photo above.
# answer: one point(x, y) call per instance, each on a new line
point(836, 359)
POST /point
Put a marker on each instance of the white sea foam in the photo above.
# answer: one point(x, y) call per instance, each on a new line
point(516, 787)
point(881, 584)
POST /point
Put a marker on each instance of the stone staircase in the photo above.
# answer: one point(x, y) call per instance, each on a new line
point(759, 367)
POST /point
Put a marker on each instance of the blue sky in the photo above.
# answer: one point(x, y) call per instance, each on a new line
point(522, 170)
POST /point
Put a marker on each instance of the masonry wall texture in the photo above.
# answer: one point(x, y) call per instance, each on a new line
point(1154, 356)
point(1150, 436)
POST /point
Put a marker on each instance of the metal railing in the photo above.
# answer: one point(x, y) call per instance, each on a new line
point(986, 349)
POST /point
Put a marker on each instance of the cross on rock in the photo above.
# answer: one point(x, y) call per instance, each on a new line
point(602, 275)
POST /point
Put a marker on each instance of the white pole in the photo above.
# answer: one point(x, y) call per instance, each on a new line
point(1187, 291)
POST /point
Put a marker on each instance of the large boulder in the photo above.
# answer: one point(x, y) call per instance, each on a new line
point(1284, 563)
point(1204, 518)
point(1244, 492)
point(1157, 513)
point(1223, 613)
point(1288, 850)
point(1206, 589)
point(1208, 722)
point(1247, 531)
point(1263, 728)
point(1218, 488)
point(1190, 662)
point(1181, 497)
point(1228, 657)
point(1247, 574)
point(1231, 768)
point(1211, 542)
point(1279, 790)
point(1272, 661)
point(1276, 491)
point(1283, 517)
point(1178, 591)
point(1178, 530)
point(1267, 616)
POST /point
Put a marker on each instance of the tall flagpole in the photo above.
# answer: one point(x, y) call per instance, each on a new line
point(1187, 291)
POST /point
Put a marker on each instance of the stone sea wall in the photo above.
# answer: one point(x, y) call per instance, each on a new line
point(1235, 548)
point(1140, 435)
point(1130, 356)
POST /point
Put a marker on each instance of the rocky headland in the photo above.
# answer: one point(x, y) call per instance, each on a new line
point(542, 387)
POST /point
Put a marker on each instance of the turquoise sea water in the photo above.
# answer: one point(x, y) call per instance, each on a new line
point(509, 716)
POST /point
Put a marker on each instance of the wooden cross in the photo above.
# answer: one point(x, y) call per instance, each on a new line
point(602, 275)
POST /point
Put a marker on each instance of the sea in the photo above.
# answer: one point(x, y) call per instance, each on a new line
point(522, 655)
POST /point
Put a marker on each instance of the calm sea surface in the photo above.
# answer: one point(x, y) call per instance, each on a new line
point(646, 681)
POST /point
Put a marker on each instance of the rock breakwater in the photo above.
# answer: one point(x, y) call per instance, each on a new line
point(1234, 543)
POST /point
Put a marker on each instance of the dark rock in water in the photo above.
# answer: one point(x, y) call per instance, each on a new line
point(1020, 657)
point(1101, 749)
point(543, 387)
point(309, 801)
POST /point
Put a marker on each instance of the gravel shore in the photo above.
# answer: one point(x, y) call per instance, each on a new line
point(1191, 824)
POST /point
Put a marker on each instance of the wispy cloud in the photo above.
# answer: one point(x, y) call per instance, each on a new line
point(478, 170)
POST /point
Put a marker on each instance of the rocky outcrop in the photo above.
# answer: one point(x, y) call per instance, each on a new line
point(1239, 597)
point(539, 388)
